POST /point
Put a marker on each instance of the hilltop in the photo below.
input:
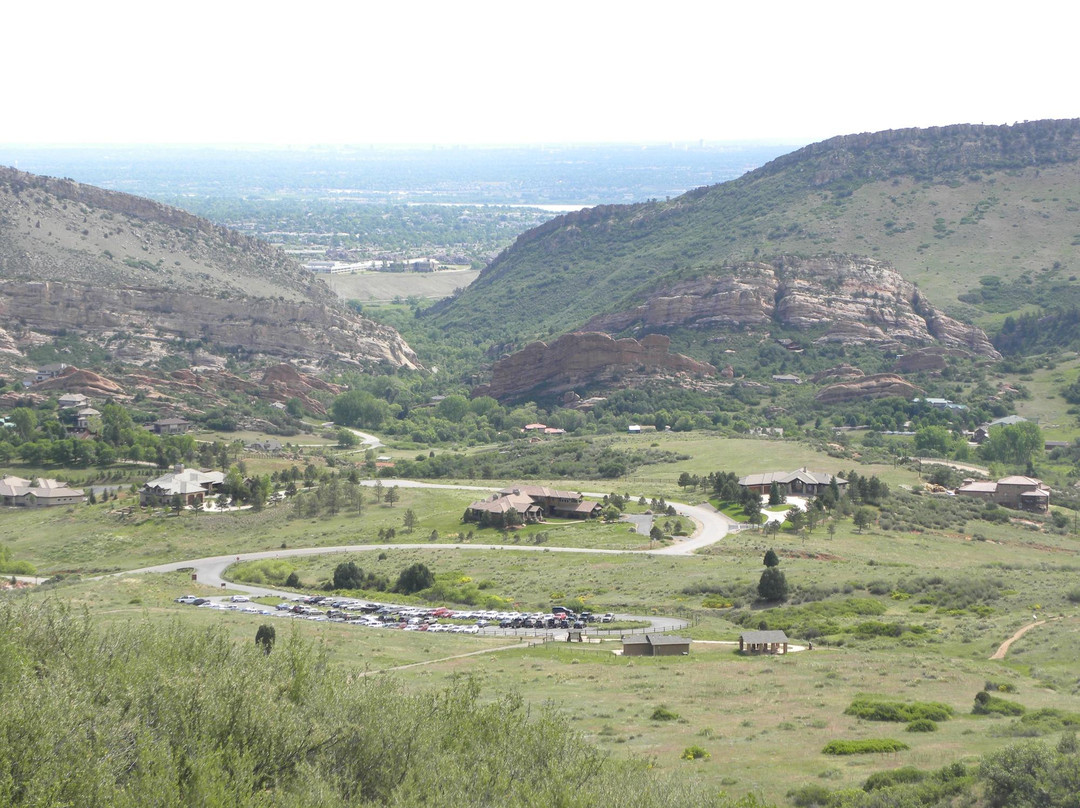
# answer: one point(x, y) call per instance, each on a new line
point(945, 207)
point(136, 279)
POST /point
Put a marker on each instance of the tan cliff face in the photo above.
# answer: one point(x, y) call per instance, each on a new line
point(852, 300)
point(278, 328)
point(573, 359)
point(101, 265)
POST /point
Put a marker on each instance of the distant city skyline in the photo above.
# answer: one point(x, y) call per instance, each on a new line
point(481, 72)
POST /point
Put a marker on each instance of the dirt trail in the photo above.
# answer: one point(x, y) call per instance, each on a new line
point(1003, 649)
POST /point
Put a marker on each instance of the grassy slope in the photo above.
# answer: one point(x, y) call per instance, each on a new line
point(996, 217)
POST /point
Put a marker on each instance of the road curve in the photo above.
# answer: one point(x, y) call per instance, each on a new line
point(710, 527)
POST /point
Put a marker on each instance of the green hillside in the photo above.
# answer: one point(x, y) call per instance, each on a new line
point(946, 206)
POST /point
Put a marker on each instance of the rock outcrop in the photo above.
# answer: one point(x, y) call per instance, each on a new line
point(879, 385)
point(284, 382)
point(118, 269)
point(841, 372)
point(849, 300)
point(579, 358)
point(275, 327)
point(74, 380)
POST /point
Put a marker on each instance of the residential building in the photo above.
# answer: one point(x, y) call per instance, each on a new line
point(1016, 492)
point(192, 485)
point(40, 493)
point(170, 426)
point(799, 482)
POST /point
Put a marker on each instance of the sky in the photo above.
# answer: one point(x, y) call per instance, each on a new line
point(479, 72)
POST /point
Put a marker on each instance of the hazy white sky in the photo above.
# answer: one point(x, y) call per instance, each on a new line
point(474, 71)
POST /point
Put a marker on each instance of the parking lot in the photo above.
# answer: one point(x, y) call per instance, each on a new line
point(435, 620)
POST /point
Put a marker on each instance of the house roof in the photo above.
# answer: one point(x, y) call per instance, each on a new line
point(980, 487)
point(186, 481)
point(42, 487)
point(785, 477)
point(540, 491)
point(655, 639)
point(760, 637)
point(1018, 479)
point(503, 503)
point(1008, 420)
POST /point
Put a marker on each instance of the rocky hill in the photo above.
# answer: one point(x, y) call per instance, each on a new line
point(574, 360)
point(137, 277)
point(944, 208)
point(854, 301)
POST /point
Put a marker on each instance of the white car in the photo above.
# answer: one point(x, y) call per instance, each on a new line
point(240, 599)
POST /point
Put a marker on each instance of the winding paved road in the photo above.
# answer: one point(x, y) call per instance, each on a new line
point(710, 525)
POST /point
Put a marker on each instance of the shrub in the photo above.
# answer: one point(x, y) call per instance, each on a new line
point(809, 796)
point(1000, 687)
point(905, 774)
point(985, 704)
point(662, 713)
point(871, 709)
point(921, 725)
point(695, 753)
point(864, 747)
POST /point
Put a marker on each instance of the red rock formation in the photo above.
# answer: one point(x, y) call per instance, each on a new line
point(854, 300)
point(574, 359)
point(73, 380)
point(284, 382)
point(835, 374)
point(880, 385)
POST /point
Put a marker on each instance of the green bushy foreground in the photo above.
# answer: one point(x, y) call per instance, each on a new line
point(173, 716)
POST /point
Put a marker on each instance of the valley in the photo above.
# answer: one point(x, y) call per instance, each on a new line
point(881, 325)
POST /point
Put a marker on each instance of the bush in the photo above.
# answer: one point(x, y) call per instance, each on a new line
point(905, 774)
point(695, 753)
point(864, 747)
point(662, 713)
point(871, 709)
point(809, 796)
point(414, 579)
point(921, 725)
point(985, 704)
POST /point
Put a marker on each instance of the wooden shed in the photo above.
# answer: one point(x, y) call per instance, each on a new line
point(763, 642)
point(655, 645)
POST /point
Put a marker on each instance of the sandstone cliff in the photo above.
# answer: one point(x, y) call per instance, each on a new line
point(278, 328)
point(847, 299)
point(880, 385)
point(111, 266)
point(574, 359)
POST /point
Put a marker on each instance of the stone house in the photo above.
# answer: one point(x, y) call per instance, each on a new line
point(1016, 492)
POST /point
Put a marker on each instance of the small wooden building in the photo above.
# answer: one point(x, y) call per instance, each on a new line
point(655, 645)
point(763, 642)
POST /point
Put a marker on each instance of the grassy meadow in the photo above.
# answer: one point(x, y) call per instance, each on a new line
point(912, 613)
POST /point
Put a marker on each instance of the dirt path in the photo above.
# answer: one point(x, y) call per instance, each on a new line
point(1003, 649)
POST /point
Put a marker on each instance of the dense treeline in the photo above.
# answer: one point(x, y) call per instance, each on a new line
point(175, 716)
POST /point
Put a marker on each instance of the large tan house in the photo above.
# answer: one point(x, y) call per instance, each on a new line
point(39, 493)
point(799, 482)
point(533, 503)
point(1016, 492)
point(192, 485)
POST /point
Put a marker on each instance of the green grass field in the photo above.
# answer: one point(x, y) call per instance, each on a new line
point(944, 598)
